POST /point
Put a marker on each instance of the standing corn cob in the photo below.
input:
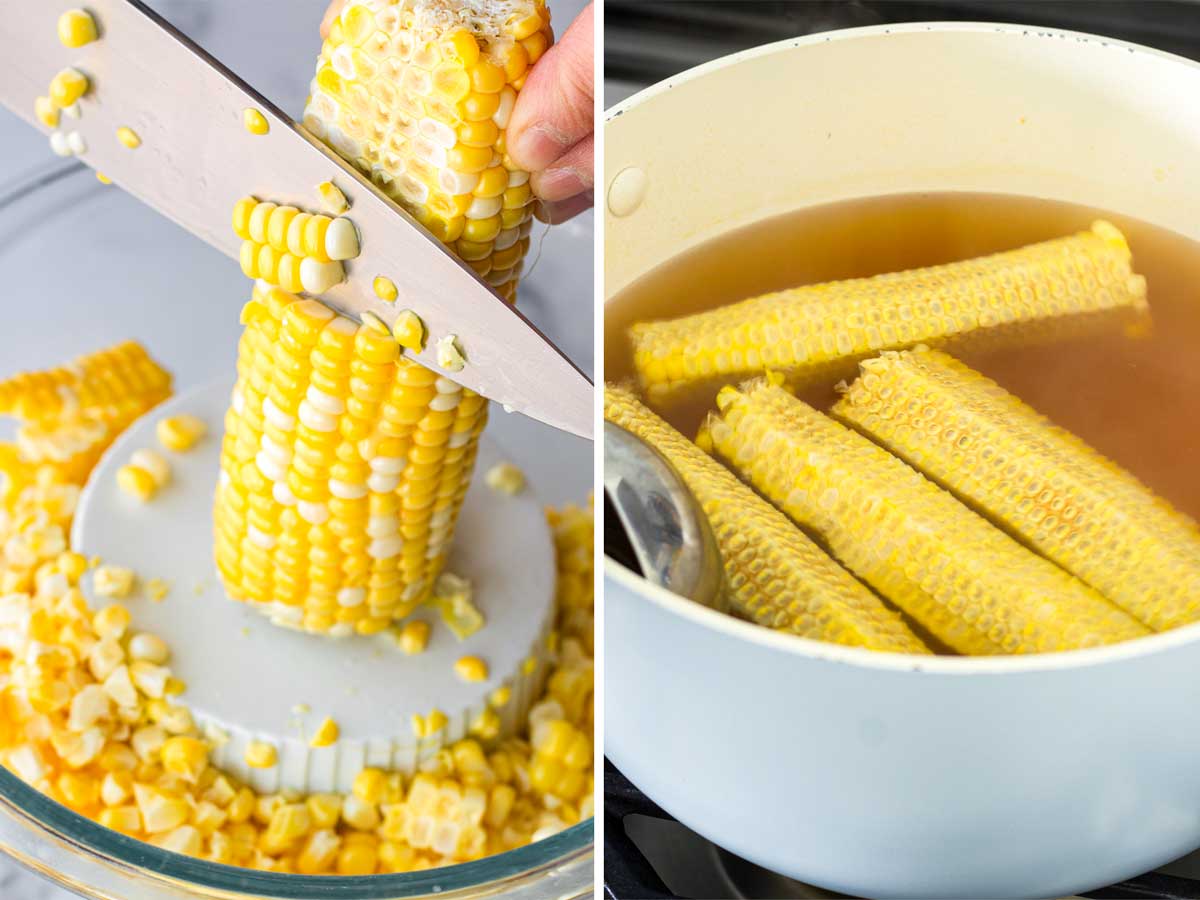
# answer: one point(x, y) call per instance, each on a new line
point(70, 414)
point(344, 466)
point(1054, 289)
point(418, 94)
point(774, 575)
point(1036, 480)
point(969, 583)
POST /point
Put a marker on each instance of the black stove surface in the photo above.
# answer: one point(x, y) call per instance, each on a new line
point(649, 40)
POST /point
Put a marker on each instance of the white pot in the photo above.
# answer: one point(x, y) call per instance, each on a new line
point(877, 774)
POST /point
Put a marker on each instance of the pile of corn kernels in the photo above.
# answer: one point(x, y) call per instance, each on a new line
point(91, 716)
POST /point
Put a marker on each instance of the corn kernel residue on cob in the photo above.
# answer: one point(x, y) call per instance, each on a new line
point(70, 414)
point(418, 94)
point(344, 466)
point(1036, 480)
point(774, 575)
point(970, 584)
point(88, 717)
point(1057, 288)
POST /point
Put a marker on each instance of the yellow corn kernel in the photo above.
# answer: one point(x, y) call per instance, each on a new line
point(46, 112)
point(112, 620)
point(113, 581)
point(326, 734)
point(486, 725)
point(125, 819)
point(505, 478)
point(129, 137)
point(289, 823)
point(369, 785)
point(500, 696)
point(385, 289)
point(261, 755)
point(332, 197)
point(341, 239)
point(185, 756)
point(471, 668)
point(254, 121)
point(414, 637)
point(774, 575)
point(67, 87)
point(1055, 288)
point(76, 27)
point(102, 178)
point(449, 354)
point(136, 482)
point(277, 225)
point(242, 210)
point(409, 331)
point(1036, 480)
point(154, 464)
point(180, 433)
point(974, 587)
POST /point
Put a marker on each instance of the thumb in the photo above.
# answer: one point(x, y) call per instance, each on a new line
point(554, 109)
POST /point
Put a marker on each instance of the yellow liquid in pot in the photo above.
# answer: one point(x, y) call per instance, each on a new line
point(1136, 401)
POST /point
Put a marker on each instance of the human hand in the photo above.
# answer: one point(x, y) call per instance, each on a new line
point(550, 132)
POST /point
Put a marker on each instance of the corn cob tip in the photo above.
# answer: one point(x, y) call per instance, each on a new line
point(1111, 235)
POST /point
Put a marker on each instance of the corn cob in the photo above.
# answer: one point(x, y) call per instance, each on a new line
point(344, 466)
point(970, 584)
point(1055, 289)
point(1038, 481)
point(418, 94)
point(774, 575)
point(70, 414)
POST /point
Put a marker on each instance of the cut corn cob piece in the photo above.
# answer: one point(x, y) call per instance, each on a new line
point(774, 575)
point(1055, 289)
point(70, 414)
point(344, 466)
point(969, 583)
point(418, 95)
point(1036, 480)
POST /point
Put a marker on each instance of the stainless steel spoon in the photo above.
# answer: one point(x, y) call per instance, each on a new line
point(670, 535)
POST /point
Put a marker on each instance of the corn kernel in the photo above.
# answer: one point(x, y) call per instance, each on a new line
point(409, 331)
point(113, 581)
point(325, 735)
point(385, 289)
point(341, 239)
point(333, 198)
point(471, 668)
point(261, 755)
point(157, 589)
point(46, 112)
point(129, 137)
point(67, 87)
point(76, 27)
point(254, 121)
point(180, 433)
point(136, 482)
point(185, 756)
point(505, 478)
point(102, 178)
point(449, 354)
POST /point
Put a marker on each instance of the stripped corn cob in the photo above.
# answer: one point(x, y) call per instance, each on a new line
point(1058, 288)
point(70, 414)
point(343, 466)
point(774, 575)
point(1036, 480)
point(970, 584)
point(418, 94)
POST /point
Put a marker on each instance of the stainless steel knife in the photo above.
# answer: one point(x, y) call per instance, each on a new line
point(196, 159)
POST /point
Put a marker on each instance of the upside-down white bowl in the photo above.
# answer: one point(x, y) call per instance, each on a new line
point(877, 774)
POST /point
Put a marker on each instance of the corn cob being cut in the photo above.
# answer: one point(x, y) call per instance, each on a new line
point(774, 575)
point(418, 94)
point(70, 414)
point(1038, 481)
point(1058, 288)
point(970, 584)
point(344, 466)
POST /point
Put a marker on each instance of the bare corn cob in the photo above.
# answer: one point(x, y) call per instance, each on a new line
point(1036, 480)
point(70, 414)
point(1056, 288)
point(418, 94)
point(774, 575)
point(344, 466)
point(970, 584)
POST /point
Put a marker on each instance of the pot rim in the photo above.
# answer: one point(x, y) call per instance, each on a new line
point(856, 656)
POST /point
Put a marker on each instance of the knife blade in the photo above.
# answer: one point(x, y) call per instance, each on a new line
point(196, 159)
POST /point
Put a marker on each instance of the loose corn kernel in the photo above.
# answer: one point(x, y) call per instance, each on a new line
point(153, 464)
point(102, 178)
point(984, 594)
point(369, 785)
point(471, 668)
point(254, 121)
point(67, 87)
point(261, 755)
point(136, 482)
point(149, 647)
point(385, 288)
point(46, 112)
point(1059, 288)
point(341, 239)
point(112, 620)
point(414, 637)
point(500, 696)
point(180, 433)
point(506, 478)
point(1039, 482)
point(774, 575)
point(409, 331)
point(129, 137)
point(326, 734)
point(333, 198)
point(185, 756)
point(449, 354)
point(76, 27)
point(113, 581)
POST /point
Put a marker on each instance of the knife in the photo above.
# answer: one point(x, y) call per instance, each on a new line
point(196, 159)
